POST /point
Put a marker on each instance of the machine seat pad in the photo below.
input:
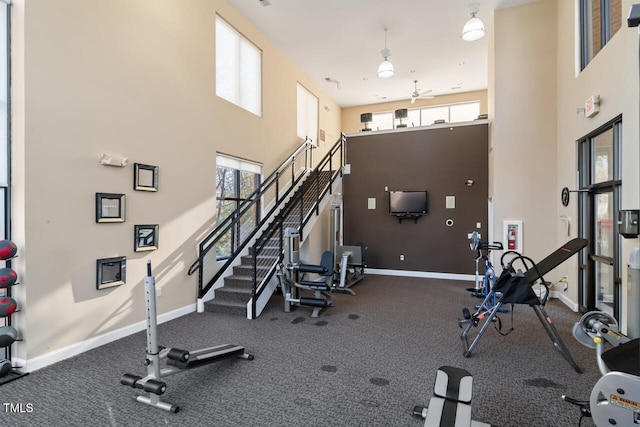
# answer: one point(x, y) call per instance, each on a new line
point(624, 357)
point(309, 268)
point(447, 413)
point(320, 286)
point(454, 384)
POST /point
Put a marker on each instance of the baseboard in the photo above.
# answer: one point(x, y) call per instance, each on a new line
point(55, 356)
point(566, 301)
point(422, 274)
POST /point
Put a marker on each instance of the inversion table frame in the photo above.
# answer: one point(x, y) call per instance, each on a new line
point(531, 276)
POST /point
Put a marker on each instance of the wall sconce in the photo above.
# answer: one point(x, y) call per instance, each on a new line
point(107, 160)
point(469, 183)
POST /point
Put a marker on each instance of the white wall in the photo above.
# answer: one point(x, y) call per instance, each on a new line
point(130, 78)
point(535, 89)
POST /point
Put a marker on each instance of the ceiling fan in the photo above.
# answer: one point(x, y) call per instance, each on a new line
point(418, 94)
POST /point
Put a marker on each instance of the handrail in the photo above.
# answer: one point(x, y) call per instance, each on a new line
point(251, 205)
point(294, 214)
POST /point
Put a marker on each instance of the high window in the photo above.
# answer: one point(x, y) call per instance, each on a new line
point(4, 120)
point(454, 113)
point(307, 115)
point(236, 180)
point(238, 68)
point(599, 21)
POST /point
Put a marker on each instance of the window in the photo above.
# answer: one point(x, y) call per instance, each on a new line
point(307, 115)
point(238, 68)
point(236, 180)
point(454, 113)
point(599, 21)
point(5, 121)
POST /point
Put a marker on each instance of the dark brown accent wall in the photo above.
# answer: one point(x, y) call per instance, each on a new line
point(439, 160)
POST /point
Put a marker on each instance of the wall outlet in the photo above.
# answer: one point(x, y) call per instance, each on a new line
point(401, 257)
point(158, 292)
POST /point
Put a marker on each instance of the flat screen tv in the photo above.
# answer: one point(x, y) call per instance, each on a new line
point(411, 203)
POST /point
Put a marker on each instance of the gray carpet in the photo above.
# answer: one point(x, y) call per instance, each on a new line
point(365, 362)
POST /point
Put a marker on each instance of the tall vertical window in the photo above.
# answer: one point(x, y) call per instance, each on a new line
point(4, 120)
point(307, 115)
point(599, 21)
point(236, 180)
point(238, 68)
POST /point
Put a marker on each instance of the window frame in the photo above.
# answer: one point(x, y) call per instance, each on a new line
point(233, 82)
point(587, 26)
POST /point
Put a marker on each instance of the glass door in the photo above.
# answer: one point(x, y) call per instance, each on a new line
point(599, 203)
point(603, 252)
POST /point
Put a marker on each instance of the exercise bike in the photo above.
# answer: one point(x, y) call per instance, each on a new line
point(615, 398)
point(484, 286)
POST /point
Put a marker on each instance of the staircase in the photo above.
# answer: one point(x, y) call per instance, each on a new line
point(292, 197)
point(238, 288)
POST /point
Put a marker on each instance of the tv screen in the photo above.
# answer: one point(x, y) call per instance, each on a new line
point(412, 202)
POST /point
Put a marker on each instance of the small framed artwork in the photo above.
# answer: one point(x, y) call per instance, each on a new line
point(110, 207)
point(111, 272)
point(145, 237)
point(145, 177)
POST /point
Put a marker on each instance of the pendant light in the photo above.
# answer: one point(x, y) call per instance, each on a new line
point(474, 28)
point(385, 70)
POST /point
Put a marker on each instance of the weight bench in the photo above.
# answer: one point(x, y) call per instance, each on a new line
point(450, 405)
point(515, 287)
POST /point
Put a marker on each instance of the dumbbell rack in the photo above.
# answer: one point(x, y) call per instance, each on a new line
point(15, 372)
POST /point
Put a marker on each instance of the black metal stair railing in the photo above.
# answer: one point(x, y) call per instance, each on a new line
point(273, 191)
point(270, 192)
point(268, 249)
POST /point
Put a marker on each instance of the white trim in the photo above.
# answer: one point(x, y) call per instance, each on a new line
point(61, 354)
point(565, 300)
point(422, 274)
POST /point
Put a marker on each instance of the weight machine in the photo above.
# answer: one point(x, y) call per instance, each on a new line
point(176, 360)
point(350, 260)
point(615, 398)
point(292, 281)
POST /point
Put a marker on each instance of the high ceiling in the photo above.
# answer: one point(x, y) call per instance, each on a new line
point(337, 43)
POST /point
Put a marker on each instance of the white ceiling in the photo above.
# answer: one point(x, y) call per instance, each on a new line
point(341, 40)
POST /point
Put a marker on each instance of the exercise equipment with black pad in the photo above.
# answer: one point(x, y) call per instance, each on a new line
point(515, 287)
point(176, 360)
point(615, 398)
point(291, 276)
point(450, 405)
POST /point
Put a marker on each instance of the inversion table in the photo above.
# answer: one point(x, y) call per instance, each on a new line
point(516, 288)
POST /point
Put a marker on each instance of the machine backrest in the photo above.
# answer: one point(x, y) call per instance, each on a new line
point(327, 262)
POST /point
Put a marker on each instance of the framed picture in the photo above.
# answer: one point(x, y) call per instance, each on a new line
point(109, 207)
point(145, 237)
point(145, 177)
point(111, 272)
